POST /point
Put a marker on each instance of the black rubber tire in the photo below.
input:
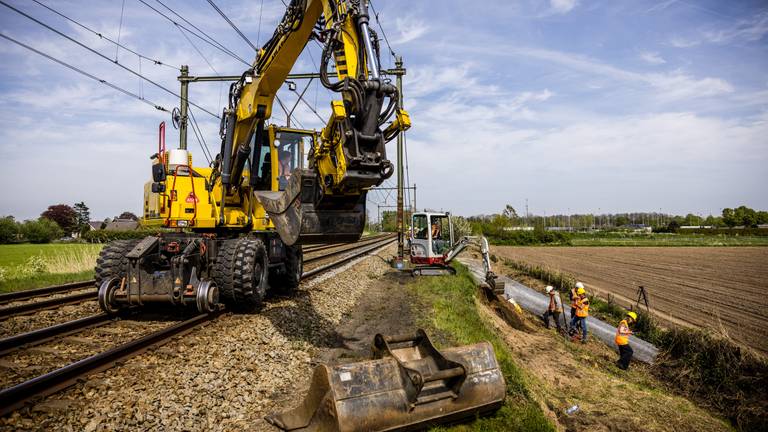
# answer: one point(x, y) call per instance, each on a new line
point(240, 272)
point(288, 280)
point(112, 261)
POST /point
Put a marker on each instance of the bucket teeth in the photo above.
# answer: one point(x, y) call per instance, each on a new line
point(407, 385)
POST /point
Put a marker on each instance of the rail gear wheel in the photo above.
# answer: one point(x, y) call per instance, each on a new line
point(240, 273)
point(107, 295)
point(207, 296)
point(112, 261)
point(287, 280)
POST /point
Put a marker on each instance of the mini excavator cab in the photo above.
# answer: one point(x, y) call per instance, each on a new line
point(431, 238)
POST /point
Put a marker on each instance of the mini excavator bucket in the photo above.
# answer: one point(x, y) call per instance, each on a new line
point(302, 216)
point(408, 385)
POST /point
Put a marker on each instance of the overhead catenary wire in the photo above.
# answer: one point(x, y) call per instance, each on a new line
point(226, 18)
point(106, 38)
point(120, 29)
point(210, 41)
point(101, 55)
point(82, 72)
point(200, 138)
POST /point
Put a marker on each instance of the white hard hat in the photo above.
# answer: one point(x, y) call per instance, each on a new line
point(579, 285)
point(548, 289)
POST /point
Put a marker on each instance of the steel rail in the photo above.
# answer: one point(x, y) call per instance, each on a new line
point(39, 292)
point(36, 337)
point(26, 308)
point(324, 268)
point(335, 245)
point(15, 397)
point(339, 252)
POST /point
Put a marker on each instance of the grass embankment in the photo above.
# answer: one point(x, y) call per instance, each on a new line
point(454, 314)
point(25, 266)
point(709, 368)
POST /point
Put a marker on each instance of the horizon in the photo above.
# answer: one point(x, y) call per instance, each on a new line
point(592, 107)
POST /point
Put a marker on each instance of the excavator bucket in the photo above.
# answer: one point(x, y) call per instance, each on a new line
point(302, 216)
point(408, 385)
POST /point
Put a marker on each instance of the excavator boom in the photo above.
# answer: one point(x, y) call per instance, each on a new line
point(327, 201)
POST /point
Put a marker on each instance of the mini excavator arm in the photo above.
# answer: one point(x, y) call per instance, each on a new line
point(327, 201)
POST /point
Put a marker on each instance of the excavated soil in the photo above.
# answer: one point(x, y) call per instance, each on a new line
point(718, 288)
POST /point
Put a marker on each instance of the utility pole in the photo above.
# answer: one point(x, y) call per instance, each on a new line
point(184, 107)
point(399, 71)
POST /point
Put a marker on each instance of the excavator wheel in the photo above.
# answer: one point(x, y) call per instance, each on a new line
point(287, 281)
point(112, 261)
point(240, 273)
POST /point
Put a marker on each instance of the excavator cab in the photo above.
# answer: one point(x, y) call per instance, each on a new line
point(431, 238)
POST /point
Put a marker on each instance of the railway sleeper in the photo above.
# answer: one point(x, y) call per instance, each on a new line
point(198, 271)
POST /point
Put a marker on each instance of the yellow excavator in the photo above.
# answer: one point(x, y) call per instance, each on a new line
point(237, 226)
point(232, 232)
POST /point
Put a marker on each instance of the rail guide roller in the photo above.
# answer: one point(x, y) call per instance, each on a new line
point(408, 385)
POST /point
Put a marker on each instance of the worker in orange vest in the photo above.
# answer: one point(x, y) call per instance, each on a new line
point(622, 340)
point(582, 312)
point(574, 296)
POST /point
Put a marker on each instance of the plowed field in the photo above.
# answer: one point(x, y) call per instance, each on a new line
point(709, 287)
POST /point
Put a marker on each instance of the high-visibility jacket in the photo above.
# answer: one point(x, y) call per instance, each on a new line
point(582, 307)
point(622, 333)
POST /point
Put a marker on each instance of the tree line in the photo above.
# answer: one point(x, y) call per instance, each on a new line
point(57, 221)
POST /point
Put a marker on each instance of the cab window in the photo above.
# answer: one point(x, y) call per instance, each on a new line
point(420, 227)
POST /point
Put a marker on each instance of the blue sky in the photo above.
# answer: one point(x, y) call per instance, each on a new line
point(577, 106)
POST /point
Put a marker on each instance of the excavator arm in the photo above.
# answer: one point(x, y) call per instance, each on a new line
point(327, 201)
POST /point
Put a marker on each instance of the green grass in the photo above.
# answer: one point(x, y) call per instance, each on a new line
point(667, 240)
point(25, 266)
point(454, 313)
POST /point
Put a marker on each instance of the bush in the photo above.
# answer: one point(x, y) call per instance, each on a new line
point(9, 230)
point(498, 236)
point(718, 372)
point(42, 230)
point(104, 236)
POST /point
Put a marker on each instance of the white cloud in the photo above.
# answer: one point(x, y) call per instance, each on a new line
point(670, 86)
point(562, 6)
point(409, 28)
point(652, 57)
point(747, 30)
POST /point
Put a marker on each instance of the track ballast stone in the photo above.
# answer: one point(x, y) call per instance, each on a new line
point(225, 376)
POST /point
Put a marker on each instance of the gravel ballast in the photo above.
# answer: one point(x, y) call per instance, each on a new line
point(225, 376)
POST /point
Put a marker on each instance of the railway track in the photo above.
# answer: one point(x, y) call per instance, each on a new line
point(32, 304)
point(30, 390)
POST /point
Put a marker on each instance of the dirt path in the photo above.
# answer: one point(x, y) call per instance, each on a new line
point(719, 288)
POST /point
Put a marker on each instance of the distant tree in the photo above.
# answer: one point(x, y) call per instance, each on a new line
point(127, 215)
point(64, 215)
point(9, 230)
point(510, 212)
point(745, 216)
point(43, 230)
point(762, 217)
point(692, 220)
point(713, 221)
point(673, 225)
point(729, 217)
point(82, 215)
point(621, 221)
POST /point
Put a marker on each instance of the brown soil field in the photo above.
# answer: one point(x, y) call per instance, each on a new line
point(715, 287)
